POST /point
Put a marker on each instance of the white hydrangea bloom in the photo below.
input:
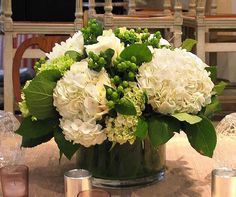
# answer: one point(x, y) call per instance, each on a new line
point(176, 81)
point(164, 42)
point(75, 43)
point(107, 41)
point(81, 96)
point(85, 133)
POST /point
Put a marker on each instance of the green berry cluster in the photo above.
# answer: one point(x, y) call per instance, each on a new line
point(97, 62)
point(115, 95)
point(154, 42)
point(127, 37)
point(38, 64)
point(127, 69)
point(92, 31)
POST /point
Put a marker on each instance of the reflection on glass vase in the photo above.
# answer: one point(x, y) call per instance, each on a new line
point(123, 165)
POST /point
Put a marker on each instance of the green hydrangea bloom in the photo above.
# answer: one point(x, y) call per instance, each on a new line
point(122, 128)
point(22, 105)
point(62, 63)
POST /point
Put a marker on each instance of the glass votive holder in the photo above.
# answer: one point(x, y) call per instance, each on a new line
point(94, 193)
point(15, 181)
point(223, 182)
point(76, 181)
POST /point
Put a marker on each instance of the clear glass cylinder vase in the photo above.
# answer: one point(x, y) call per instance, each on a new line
point(123, 165)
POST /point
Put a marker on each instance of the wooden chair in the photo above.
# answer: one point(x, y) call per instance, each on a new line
point(207, 22)
point(12, 28)
point(44, 43)
point(166, 19)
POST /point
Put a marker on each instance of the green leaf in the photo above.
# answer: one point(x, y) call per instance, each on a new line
point(36, 129)
point(32, 142)
point(219, 88)
point(161, 129)
point(213, 72)
point(66, 147)
point(213, 107)
point(140, 51)
point(191, 119)
point(202, 136)
point(126, 107)
point(39, 94)
point(141, 129)
point(188, 44)
point(74, 55)
point(109, 54)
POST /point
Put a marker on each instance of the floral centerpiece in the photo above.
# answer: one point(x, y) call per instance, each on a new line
point(115, 97)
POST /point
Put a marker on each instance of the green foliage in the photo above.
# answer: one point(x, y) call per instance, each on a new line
point(140, 51)
point(213, 72)
point(74, 55)
point(35, 129)
point(161, 129)
point(67, 148)
point(219, 88)
point(213, 107)
point(92, 31)
point(191, 119)
point(141, 129)
point(188, 44)
point(39, 94)
point(202, 136)
point(128, 37)
point(125, 107)
point(32, 142)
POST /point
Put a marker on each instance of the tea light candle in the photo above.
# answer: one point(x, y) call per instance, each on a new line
point(77, 180)
point(223, 182)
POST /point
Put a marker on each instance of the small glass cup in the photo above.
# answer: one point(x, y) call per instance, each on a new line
point(76, 181)
point(94, 193)
point(15, 181)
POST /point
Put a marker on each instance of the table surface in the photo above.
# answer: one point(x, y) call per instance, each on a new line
point(188, 173)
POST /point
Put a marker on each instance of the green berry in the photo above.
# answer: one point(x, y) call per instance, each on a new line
point(122, 101)
point(120, 89)
point(101, 61)
point(112, 80)
point(131, 76)
point(109, 91)
point(114, 95)
point(138, 30)
point(120, 67)
point(110, 104)
point(116, 79)
point(133, 59)
point(145, 30)
point(125, 84)
point(95, 57)
point(133, 67)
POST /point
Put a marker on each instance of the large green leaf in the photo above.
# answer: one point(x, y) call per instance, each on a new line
point(219, 88)
point(202, 136)
point(36, 129)
point(39, 94)
point(32, 142)
point(161, 129)
point(213, 107)
point(140, 51)
point(66, 147)
point(74, 55)
point(191, 119)
point(188, 44)
point(213, 72)
point(125, 107)
point(141, 129)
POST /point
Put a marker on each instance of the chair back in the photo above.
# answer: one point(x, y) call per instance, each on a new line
point(44, 43)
